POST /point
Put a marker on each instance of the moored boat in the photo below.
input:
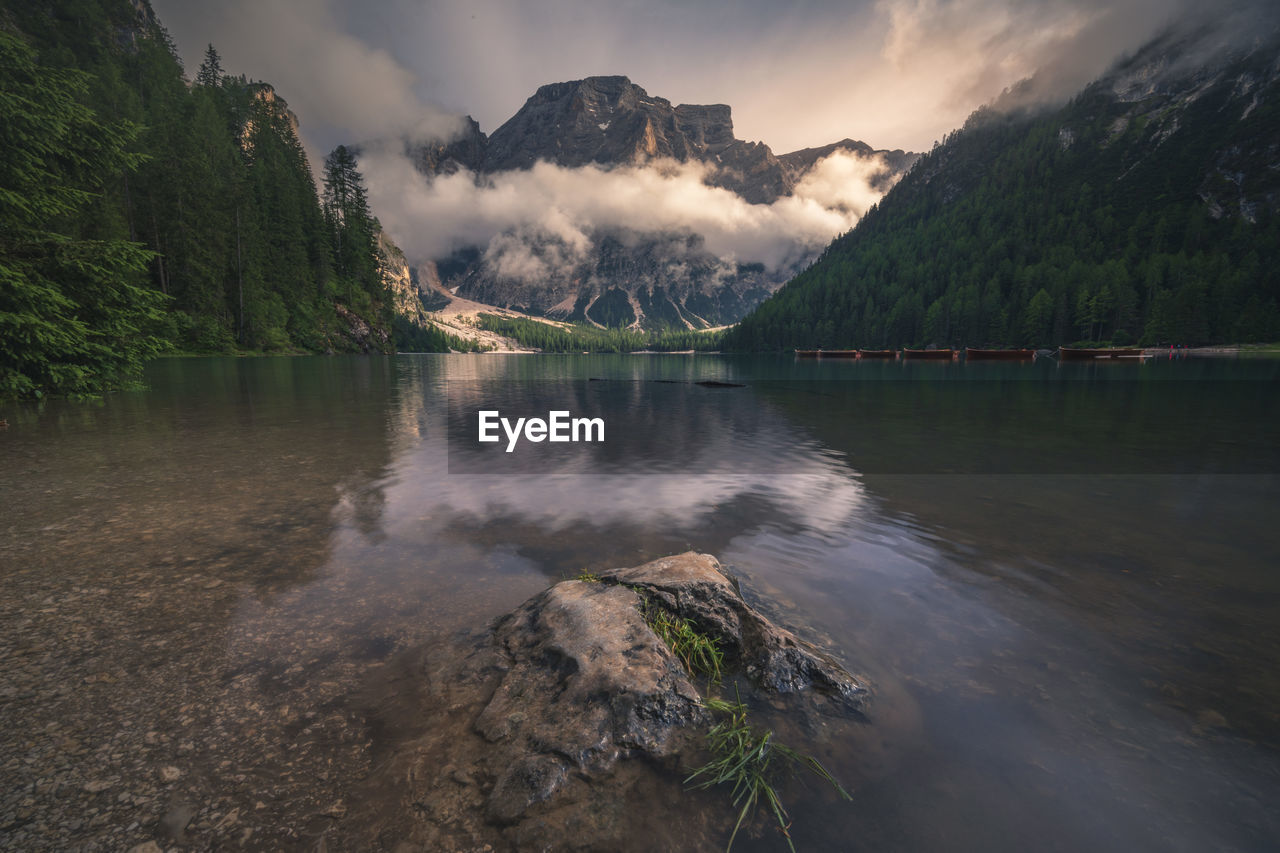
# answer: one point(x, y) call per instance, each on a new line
point(932, 354)
point(877, 353)
point(807, 353)
point(972, 354)
point(839, 353)
point(1091, 353)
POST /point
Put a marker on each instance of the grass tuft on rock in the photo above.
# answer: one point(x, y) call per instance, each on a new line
point(751, 762)
point(700, 652)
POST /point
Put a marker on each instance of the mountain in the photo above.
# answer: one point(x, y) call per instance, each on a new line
point(627, 277)
point(1145, 209)
point(798, 163)
point(610, 120)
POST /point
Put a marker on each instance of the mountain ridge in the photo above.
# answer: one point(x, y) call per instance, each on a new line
point(1147, 208)
point(584, 113)
point(630, 277)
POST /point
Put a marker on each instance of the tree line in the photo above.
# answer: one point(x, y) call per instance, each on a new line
point(141, 212)
point(1050, 228)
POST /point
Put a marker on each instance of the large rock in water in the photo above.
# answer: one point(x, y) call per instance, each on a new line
point(590, 682)
point(572, 708)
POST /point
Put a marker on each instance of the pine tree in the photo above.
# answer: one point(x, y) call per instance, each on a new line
point(352, 229)
point(210, 74)
point(75, 316)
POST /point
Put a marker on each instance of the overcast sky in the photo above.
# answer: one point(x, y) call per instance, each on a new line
point(799, 73)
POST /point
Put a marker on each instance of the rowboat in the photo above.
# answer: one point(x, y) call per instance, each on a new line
point(877, 353)
point(938, 354)
point(1087, 354)
point(839, 353)
point(807, 353)
point(971, 354)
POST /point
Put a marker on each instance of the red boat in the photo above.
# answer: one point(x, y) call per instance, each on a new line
point(839, 353)
point(1086, 354)
point(932, 354)
point(877, 353)
point(971, 354)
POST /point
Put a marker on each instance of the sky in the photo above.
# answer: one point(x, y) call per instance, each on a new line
point(800, 73)
point(893, 73)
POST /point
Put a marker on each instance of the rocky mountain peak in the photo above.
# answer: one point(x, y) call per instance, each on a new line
point(609, 122)
point(605, 120)
point(710, 126)
point(591, 92)
point(440, 157)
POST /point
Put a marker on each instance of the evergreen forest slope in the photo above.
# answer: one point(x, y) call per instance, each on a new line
point(143, 212)
point(1147, 209)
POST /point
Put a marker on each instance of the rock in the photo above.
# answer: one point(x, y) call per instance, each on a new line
point(543, 731)
point(146, 847)
point(175, 821)
point(466, 150)
point(528, 781)
point(170, 774)
point(588, 681)
point(694, 587)
point(97, 786)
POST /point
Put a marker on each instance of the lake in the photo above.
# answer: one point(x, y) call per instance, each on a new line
point(1063, 582)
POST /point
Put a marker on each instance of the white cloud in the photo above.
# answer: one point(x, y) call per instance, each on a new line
point(429, 218)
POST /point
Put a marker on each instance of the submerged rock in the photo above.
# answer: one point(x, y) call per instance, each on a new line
point(571, 707)
point(588, 681)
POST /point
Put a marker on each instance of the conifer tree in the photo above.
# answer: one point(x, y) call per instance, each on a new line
point(352, 228)
point(210, 74)
point(75, 316)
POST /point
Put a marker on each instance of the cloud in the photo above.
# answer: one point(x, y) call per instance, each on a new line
point(979, 47)
point(342, 88)
point(925, 65)
point(895, 73)
point(982, 46)
point(549, 204)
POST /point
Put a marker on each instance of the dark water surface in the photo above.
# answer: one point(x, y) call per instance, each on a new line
point(1063, 581)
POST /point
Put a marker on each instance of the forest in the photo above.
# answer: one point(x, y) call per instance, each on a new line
point(142, 212)
point(1044, 228)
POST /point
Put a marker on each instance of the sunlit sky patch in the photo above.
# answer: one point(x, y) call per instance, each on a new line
point(894, 73)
